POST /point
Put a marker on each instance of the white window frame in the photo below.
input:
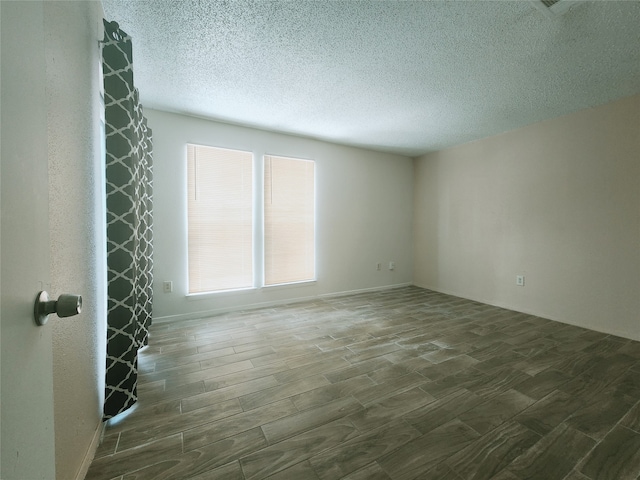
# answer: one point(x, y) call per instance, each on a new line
point(258, 227)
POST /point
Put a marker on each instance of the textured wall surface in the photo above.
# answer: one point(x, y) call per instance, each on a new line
point(363, 213)
point(558, 202)
point(76, 221)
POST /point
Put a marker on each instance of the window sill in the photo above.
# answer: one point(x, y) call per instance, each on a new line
point(220, 293)
point(244, 291)
point(278, 286)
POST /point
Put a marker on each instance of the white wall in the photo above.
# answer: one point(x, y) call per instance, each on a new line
point(27, 444)
point(76, 224)
point(364, 214)
point(557, 201)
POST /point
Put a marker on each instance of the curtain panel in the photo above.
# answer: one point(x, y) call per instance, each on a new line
point(129, 201)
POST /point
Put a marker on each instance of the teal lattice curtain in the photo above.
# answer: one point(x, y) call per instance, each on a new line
point(129, 222)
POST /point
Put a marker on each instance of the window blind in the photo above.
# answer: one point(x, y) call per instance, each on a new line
point(289, 220)
point(220, 218)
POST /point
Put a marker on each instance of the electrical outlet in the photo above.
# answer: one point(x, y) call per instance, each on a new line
point(520, 280)
point(378, 266)
point(167, 287)
point(392, 265)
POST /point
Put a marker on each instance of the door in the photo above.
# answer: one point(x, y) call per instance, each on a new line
point(27, 428)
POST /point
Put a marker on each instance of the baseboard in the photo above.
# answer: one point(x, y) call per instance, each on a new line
point(595, 328)
point(91, 451)
point(253, 306)
point(364, 290)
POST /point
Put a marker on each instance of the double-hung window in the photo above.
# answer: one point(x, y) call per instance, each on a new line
point(289, 230)
point(222, 211)
point(220, 219)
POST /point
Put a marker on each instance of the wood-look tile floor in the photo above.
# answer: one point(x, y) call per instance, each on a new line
point(400, 384)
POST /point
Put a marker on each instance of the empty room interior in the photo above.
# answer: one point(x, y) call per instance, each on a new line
point(320, 240)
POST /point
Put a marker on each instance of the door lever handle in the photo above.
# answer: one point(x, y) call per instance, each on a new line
point(67, 305)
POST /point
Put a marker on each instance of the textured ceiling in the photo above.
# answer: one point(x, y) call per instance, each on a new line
point(400, 76)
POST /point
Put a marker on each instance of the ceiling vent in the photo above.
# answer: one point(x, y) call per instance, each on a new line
point(553, 8)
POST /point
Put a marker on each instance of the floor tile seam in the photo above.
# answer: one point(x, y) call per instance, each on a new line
point(402, 417)
point(223, 363)
point(512, 419)
point(114, 457)
point(115, 448)
point(174, 432)
point(536, 352)
point(222, 344)
point(458, 476)
point(226, 400)
point(583, 460)
point(268, 445)
point(619, 422)
point(591, 392)
point(365, 434)
point(206, 334)
point(170, 340)
point(120, 428)
point(301, 368)
point(579, 463)
point(169, 371)
point(383, 367)
point(136, 469)
point(506, 469)
point(445, 411)
point(555, 387)
point(631, 370)
point(389, 395)
point(310, 428)
point(587, 404)
point(536, 402)
point(245, 409)
point(637, 404)
point(240, 372)
point(373, 346)
point(372, 350)
point(542, 437)
point(218, 438)
point(151, 401)
point(238, 385)
point(192, 350)
point(178, 356)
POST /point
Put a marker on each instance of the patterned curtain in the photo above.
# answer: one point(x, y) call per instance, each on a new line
point(129, 222)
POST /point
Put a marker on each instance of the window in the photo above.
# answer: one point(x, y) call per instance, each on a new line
point(289, 230)
point(220, 218)
point(222, 207)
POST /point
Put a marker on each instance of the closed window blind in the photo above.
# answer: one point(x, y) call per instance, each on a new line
point(220, 218)
point(289, 220)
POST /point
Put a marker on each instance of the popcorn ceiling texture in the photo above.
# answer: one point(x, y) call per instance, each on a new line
point(407, 77)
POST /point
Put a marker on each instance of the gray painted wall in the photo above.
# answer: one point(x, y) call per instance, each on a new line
point(76, 224)
point(557, 201)
point(363, 214)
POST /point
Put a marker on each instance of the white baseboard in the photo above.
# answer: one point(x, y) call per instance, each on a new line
point(596, 328)
point(251, 306)
point(91, 451)
point(363, 290)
